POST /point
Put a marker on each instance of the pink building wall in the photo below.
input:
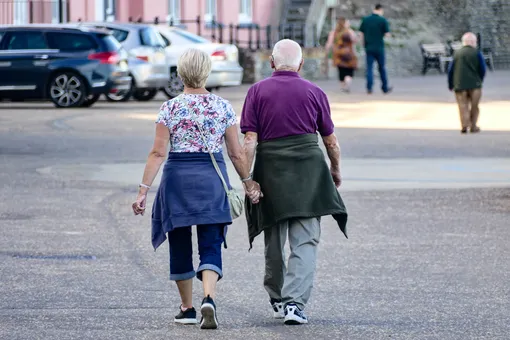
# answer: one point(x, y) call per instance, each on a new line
point(24, 11)
point(92, 10)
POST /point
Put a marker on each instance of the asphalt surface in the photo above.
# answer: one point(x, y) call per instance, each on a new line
point(427, 258)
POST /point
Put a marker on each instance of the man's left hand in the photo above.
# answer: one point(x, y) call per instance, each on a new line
point(337, 177)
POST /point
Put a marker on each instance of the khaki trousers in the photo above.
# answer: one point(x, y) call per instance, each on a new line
point(292, 283)
point(468, 101)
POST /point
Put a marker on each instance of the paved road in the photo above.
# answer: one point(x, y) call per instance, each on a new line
point(429, 224)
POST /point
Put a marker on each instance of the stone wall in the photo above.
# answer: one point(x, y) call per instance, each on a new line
point(413, 22)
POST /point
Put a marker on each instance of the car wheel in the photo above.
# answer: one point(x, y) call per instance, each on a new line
point(175, 85)
point(67, 89)
point(91, 100)
point(122, 95)
point(145, 95)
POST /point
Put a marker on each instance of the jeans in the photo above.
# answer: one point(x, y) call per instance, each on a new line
point(210, 237)
point(381, 62)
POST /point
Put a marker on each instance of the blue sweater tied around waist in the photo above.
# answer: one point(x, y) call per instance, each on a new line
point(190, 193)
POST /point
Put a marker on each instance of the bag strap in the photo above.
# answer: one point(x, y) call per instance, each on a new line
point(202, 136)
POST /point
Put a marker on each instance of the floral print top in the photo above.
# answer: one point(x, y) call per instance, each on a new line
point(181, 114)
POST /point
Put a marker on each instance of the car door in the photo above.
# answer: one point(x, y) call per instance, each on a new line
point(24, 58)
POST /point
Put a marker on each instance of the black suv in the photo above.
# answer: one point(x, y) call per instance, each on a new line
point(72, 67)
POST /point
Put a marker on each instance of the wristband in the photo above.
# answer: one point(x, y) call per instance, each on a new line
point(249, 178)
point(141, 185)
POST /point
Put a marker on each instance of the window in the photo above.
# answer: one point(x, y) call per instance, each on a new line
point(109, 10)
point(165, 39)
point(120, 35)
point(71, 42)
point(112, 44)
point(245, 12)
point(150, 37)
point(210, 11)
point(20, 9)
point(55, 11)
point(174, 11)
point(105, 10)
point(181, 37)
point(25, 41)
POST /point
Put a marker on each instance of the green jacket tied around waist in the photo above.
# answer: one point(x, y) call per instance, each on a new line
point(296, 183)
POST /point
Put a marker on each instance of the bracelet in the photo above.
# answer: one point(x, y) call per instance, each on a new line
point(249, 178)
point(141, 185)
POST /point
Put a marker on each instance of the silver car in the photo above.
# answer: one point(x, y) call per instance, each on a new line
point(226, 70)
point(147, 63)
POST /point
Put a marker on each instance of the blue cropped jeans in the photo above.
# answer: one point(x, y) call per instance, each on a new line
point(210, 239)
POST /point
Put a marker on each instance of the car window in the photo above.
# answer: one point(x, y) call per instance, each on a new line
point(150, 37)
point(110, 43)
point(71, 42)
point(25, 41)
point(187, 37)
point(120, 35)
point(167, 42)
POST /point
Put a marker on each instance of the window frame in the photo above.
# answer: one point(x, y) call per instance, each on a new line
point(245, 11)
point(211, 11)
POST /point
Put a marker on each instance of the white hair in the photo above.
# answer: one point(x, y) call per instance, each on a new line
point(287, 54)
point(469, 39)
point(194, 67)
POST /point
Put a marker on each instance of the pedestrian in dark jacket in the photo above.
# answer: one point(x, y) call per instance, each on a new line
point(465, 77)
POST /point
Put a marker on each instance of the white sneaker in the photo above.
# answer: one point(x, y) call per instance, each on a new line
point(278, 312)
point(294, 315)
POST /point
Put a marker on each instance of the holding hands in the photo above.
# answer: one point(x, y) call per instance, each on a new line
point(253, 191)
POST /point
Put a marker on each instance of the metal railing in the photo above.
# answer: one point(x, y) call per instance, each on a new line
point(250, 36)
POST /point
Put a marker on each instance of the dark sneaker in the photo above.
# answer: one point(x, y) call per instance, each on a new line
point(389, 90)
point(463, 131)
point(475, 129)
point(208, 310)
point(294, 315)
point(186, 317)
point(278, 310)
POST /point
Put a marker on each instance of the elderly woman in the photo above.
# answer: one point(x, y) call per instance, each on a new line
point(191, 191)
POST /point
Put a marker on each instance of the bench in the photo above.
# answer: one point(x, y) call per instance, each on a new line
point(440, 56)
point(487, 55)
point(457, 45)
point(434, 56)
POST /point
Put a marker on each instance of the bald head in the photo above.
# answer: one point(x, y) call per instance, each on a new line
point(469, 39)
point(287, 55)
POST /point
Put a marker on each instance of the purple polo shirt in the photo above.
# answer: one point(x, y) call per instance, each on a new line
point(286, 105)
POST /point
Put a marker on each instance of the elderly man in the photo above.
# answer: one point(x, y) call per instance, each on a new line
point(465, 77)
point(283, 115)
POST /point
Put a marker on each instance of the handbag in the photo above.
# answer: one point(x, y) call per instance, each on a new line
point(235, 201)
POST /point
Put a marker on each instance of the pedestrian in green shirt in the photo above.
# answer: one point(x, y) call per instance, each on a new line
point(374, 29)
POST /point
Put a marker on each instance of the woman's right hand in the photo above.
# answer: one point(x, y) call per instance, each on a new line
point(253, 191)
